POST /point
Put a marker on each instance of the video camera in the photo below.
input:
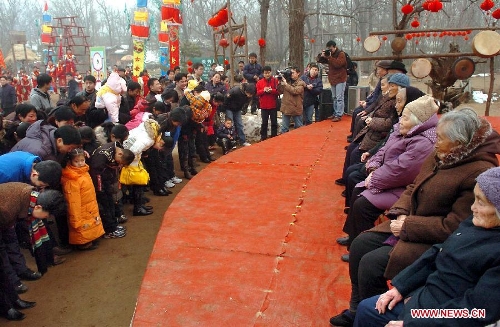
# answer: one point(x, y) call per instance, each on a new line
point(324, 60)
point(285, 73)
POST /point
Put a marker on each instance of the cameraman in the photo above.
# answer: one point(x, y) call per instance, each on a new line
point(293, 97)
point(337, 76)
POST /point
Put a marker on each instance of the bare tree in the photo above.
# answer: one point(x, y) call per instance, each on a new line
point(296, 32)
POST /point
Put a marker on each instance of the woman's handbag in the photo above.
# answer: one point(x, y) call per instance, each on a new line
point(134, 175)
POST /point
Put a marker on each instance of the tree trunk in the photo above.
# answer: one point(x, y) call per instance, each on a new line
point(264, 13)
point(296, 33)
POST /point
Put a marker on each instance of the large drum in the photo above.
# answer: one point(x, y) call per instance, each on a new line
point(463, 68)
point(372, 43)
point(421, 68)
point(486, 44)
point(398, 44)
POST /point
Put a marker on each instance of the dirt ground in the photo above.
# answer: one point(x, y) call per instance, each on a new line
point(100, 288)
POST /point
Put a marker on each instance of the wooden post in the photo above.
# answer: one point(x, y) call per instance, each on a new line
point(492, 82)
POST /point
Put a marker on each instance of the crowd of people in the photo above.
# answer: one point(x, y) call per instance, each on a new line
point(81, 160)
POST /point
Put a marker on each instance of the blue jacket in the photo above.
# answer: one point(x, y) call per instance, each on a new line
point(16, 166)
point(251, 70)
point(310, 96)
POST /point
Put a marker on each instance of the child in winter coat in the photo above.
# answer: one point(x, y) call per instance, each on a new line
point(109, 96)
point(226, 136)
point(85, 225)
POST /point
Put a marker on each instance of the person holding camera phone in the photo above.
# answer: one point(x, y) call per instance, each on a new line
point(292, 88)
point(337, 76)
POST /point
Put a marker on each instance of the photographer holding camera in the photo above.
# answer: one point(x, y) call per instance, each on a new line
point(293, 97)
point(337, 76)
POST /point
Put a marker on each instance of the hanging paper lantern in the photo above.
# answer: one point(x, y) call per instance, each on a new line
point(487, 5)
point(435, 6)
point(384, 38)
point(408, 36)
point(239, 40)
point(407, 9)
point(415, 23)
point(190, 70)
point(358, 39)
point(425, 5)
point(226, 62)
point(189, 63)
point(496, 14)
point(223, 43)
point(262, 43)
point(313, 40)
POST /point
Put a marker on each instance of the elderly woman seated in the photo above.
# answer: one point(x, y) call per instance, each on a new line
point(357, 172)
point(378, 122)
point(460, 275)
point(394, 166)
point(429, 210)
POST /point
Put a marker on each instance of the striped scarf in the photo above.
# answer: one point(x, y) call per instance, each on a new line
point(38, 231)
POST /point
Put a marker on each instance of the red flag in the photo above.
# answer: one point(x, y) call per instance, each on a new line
point(46, 6)
point(2, 61)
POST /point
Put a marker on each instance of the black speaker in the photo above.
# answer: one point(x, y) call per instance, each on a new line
point(325, 104)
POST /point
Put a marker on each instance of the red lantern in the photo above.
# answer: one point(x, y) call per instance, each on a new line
point(407, 9)
point(427, 34)
point(425, 5)
point(262, 43)
point(435, 6)
point(226, 62)
point(466, 38)
point(408, 36)
point(358, 39)
point(435, 34)
point(223, 43)
point(239, 40)
point(487, 5)
point(313, 40)
point(384, 38)
point(189, 63)
point(496, 14)
point(190, 70)
point(415, 23)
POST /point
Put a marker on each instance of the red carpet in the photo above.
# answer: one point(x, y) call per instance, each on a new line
point(250, 241)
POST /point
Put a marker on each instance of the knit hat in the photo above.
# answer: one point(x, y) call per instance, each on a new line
point(205, 95)
point(398, 65)
point(423, 108)
point(489, 183)
point(384, 64)
point(400, 80)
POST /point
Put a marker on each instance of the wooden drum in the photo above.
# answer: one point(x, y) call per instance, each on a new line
point(372, 43)
point(421, 68)
point(463, 68)
point(486, 44)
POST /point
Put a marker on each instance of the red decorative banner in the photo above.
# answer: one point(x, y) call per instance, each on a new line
point(140, 31)
point(173, 33)
point(171, 14)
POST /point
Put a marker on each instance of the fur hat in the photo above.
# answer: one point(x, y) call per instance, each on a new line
point(384, 64)
point(400, 80)
point(489, 183)
point(398, 65)
point(423, 108)
point(205, 95)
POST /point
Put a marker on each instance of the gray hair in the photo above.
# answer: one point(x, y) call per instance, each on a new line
point(414, 120)
point(460, 125)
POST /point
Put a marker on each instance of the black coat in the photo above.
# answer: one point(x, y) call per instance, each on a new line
point(463, 272)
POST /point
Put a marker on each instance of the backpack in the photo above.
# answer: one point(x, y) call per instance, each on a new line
point(350, 65)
